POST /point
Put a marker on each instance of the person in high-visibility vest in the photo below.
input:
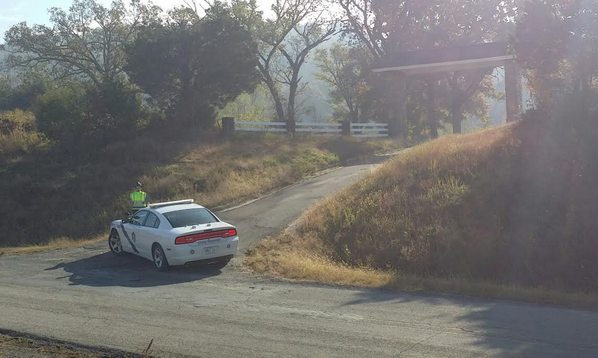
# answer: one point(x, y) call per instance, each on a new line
point(139, 198)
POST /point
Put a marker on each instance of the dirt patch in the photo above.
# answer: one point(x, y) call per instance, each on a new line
point(19, 345)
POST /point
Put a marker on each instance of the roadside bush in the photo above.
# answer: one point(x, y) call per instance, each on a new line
point(60, 112)
point(23, 96)
point(17, 120)
point(18, 134)
point(114, 113)
point(83, 117)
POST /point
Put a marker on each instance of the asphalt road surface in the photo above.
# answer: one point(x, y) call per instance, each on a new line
point(89, 297)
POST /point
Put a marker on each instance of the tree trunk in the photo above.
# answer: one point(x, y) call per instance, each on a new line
point(433, 129)
point(275, 96)
point(585, 85)
point(512, 91)
point(291, 108)
point(576, 85)
point(432, 112)
point(586, 91)
point(457, 119)
point(396, 106)
point(185, 110)
point(354, 115)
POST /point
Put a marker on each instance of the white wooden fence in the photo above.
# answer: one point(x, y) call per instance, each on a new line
point(360, 130)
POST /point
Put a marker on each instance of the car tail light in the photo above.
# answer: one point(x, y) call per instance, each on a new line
point(189, 239)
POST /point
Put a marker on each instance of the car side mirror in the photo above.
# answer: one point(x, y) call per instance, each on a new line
point(126, 220)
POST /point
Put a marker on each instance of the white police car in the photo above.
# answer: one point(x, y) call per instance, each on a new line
point(175, 233)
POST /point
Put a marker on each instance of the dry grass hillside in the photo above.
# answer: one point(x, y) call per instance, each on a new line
point(55, 195)
point(513, 206)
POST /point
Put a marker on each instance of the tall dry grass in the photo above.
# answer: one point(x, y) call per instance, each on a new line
point(59, 194)
point(18, 136)
point(511, 207)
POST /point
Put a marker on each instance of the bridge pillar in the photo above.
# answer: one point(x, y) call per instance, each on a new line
point(398, 117)
point(513, 91)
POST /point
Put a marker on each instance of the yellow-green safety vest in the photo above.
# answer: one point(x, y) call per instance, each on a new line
point(139, 199)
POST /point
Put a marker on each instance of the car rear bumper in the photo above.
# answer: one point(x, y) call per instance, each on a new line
point(202, 251)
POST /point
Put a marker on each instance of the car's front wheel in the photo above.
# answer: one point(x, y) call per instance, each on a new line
point(160, 258)
point(115, 244)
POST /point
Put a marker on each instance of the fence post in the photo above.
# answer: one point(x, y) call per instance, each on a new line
point(346, 127)
point(228, 126)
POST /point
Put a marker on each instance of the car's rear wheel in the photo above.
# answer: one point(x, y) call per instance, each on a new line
point(115, 244)
point(160, 259)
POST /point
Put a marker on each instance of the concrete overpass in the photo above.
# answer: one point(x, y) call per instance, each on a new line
point(460, 58)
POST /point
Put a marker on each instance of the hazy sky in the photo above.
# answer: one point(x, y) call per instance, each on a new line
point(35, 11)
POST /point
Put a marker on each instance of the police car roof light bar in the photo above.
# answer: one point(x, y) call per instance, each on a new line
point(171, 203)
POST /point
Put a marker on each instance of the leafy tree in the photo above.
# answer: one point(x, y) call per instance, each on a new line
point(557, 44)
point(61, 111)
point(388, 27)
point(5, 91)
point(340, 68)
point(256, 106)
point(87, 42)
point(470, 22)
point(79, 116)
point(204, 61)
point(21, 90)
point(285, 43)
point(462, 87)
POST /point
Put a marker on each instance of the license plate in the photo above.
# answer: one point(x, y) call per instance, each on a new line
point(210, 250)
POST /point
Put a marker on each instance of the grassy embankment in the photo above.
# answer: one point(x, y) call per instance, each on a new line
point(51, 198)
point(506, 213)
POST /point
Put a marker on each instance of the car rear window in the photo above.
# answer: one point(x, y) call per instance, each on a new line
point(190, 217)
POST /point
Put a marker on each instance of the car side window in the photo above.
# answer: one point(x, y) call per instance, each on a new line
point(139, 217)
point(152, 221)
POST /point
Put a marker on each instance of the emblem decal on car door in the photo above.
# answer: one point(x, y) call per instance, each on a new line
point(122, 227)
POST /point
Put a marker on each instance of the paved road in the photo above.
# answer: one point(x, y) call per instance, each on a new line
point(89, 297)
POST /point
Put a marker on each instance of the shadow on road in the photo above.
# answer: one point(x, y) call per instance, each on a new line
point(511, 328)
point(107, 270)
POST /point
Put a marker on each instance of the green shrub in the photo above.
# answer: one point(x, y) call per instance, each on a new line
point(23, 96)
point(90, 117)
point(61, 112)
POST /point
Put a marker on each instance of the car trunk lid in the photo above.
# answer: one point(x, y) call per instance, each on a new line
point(200, 234)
